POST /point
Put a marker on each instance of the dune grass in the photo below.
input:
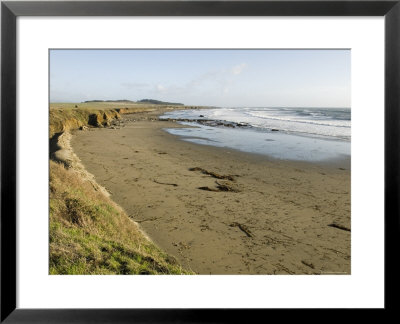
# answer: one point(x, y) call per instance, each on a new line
point(90, 234)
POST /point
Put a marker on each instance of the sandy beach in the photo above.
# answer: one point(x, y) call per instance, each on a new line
point(221, 211)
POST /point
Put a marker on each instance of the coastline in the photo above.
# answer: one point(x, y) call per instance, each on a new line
point(88, 232)
point(218, 210)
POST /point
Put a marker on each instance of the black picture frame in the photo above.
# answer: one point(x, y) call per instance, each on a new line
point(10, 10)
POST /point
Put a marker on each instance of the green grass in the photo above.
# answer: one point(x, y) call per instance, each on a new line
point(90, 234)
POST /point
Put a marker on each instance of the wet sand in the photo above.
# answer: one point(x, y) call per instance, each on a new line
point(221, 211)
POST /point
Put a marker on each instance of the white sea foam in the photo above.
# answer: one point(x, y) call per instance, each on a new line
point(331, 122)
point(311, 134)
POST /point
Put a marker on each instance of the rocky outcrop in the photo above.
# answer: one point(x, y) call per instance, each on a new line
point(103, 119)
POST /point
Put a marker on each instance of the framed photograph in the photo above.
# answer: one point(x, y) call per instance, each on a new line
point(197, 161)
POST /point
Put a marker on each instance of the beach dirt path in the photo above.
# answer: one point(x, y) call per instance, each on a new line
point(220, 211)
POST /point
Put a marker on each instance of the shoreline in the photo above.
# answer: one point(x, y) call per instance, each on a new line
point(338, 162)
point(279, 152)
point(262, 215)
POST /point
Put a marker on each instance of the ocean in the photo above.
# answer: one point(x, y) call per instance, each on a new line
point(306, 134)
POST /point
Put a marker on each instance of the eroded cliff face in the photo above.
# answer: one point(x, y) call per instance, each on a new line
point(67, 117)
point(62, 120)
point(90, 233)
point(102, 119)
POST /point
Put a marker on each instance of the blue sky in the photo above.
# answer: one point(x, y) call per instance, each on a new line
point(257, 78)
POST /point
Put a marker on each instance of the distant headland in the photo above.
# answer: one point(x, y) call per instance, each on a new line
point(143, 101)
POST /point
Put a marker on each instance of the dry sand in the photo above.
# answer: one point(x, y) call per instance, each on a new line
point(276, 217)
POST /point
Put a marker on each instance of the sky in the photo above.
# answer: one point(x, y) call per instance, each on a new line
point(224, 78)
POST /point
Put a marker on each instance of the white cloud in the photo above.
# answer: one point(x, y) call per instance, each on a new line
point(237, 69)
point(133, 85)
point(214, 81)
point(160, 88)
